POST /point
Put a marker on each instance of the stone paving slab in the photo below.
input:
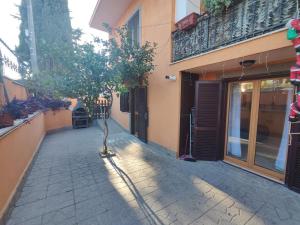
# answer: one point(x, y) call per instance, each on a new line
point(69, 184)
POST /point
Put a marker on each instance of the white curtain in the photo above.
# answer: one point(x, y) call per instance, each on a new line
point(281, 157)
point(234, 132)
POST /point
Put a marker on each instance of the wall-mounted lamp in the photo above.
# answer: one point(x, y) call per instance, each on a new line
point(170, 77)
point(247, 63)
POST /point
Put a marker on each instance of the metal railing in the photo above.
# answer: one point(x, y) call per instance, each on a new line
point(246, 19)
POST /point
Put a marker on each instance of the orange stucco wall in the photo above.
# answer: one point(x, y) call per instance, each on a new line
point(18, 147)
point(162, 94)
point(14, 90)
point(57, 119)
point(157, 23)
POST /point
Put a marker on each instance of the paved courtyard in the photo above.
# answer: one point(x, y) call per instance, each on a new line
point(70, 185)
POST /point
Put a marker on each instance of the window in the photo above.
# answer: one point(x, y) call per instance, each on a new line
point(134, 28)
point(258, 125)
point(186, 7)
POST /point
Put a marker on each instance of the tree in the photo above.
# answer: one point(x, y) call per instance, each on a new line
point(131, 61)
point(89, 76)
point(119, 66)
point(50, 80)
point(130, 64)
point(52, 28)
point(88, 73)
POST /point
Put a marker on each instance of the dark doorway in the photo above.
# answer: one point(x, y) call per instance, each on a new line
point(139, 113)
point(188, 81)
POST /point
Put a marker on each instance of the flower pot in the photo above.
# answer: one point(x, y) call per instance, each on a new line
point(6, 120)
point(32, 109)
point(24, 113)
point(187, 22)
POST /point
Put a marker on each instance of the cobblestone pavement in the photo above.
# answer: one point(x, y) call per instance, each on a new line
point(70, 185)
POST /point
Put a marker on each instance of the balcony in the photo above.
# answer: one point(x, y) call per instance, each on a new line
point(244, 20)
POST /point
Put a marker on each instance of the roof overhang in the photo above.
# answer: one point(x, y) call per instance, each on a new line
point(108, 11)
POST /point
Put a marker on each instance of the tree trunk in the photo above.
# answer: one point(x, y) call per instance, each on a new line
point(107, 109)
point(105, 149)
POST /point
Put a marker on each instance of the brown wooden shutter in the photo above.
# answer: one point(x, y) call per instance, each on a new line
point(207, 128)
point(293, 162)
point(141, 113)
point(124, 102)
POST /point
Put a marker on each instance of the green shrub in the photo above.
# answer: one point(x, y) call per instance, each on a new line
point(217, 6)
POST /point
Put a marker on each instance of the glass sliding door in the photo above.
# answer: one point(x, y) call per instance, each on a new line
point(240, 98)
point(257, 132)
point(271, 145)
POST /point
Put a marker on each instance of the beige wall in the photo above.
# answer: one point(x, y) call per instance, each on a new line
point(157, 21)
point(18, 147)
point(121, 117)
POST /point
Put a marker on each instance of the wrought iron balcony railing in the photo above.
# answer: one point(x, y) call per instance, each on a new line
point(246, 19)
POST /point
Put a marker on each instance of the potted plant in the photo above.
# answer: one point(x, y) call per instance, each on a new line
point(17, 109)
point(6, 119)
point(217, 6)
point(33, 105)
point(188, 22)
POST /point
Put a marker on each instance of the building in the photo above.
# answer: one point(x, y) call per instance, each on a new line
point(10, 74)
point(233, 68)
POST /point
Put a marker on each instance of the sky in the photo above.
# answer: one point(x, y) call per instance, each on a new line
point(80, 12)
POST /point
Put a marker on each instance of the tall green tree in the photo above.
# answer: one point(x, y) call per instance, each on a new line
point(52, 30)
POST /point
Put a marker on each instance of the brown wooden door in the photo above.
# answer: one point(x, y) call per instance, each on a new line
point(132, 110)
point(207, 129)
point(141, 113)
point(293, 161)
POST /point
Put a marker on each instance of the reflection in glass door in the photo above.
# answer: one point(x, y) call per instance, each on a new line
point(257, 125)
point(273, 126)
point(239, 119)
